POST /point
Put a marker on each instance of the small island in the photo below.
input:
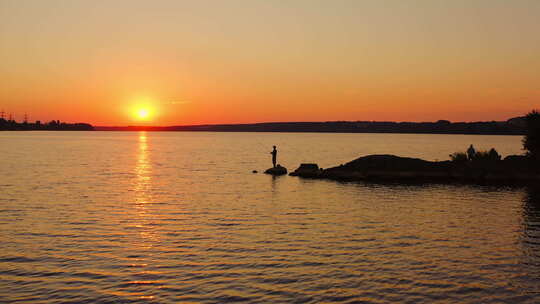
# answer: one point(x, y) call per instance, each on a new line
point(469, 166)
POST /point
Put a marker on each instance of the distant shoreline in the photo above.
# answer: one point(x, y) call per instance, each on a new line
point(510, 127)
point(514, 126)
point(319, 132)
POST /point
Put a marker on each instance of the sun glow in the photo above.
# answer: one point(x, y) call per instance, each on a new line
point(143, 108)
point(143, 113)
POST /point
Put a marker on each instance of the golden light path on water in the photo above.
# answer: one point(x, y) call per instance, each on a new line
point(146, 238)
point(143, 171)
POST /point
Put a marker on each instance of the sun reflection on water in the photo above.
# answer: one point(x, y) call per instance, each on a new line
point(143, 171)
point(144, 221)
point(143, 193)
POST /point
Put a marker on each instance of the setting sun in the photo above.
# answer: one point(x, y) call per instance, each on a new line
point(142, 108)
point(143, 113)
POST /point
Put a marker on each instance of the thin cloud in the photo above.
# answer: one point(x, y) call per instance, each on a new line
point(178, 102)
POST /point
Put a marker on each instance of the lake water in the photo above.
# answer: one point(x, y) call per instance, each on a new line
point(121, 217)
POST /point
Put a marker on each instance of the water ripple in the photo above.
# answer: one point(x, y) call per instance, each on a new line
point(140, 218)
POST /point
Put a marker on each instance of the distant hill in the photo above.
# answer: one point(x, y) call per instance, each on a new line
point(514, 126)
point(518, 121)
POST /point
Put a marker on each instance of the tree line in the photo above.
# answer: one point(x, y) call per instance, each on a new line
point(53, 125)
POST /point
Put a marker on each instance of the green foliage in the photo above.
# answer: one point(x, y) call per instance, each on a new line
point(531, 141)
point(459, 157)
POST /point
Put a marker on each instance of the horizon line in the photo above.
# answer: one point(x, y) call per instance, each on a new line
point(282, 122)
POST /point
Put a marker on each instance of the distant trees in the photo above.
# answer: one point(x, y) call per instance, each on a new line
point(11, 125)
point(531, 141)
point(54, 123)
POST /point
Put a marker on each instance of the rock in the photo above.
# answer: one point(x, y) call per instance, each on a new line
point(277, 170)
point(307, 170)
point(254, 171)
point(518, 160)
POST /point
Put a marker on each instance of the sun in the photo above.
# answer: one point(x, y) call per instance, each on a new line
point(143, 113)
point(143, 109)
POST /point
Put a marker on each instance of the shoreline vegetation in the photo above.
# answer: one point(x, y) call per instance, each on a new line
point(470, 166)
point(53, 125)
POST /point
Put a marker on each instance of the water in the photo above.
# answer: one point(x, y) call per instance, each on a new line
point(90, 217)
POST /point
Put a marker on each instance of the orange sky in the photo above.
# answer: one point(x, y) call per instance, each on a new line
point(193, 62)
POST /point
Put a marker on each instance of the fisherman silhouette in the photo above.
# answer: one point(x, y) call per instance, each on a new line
point(471, 152)
point(274, 156)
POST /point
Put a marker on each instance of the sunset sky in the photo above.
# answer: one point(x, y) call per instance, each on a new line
point(191, 62)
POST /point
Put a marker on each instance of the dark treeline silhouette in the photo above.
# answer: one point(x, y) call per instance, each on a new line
point(515, 126)
point(54, 125)
point(531, 141)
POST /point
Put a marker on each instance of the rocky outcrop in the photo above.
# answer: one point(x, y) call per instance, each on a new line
point(277, 170)
point(390, 167)
point(307, 171)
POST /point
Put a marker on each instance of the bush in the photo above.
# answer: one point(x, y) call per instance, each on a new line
point(491, 155)
point(459, 157)
point(462, 157)
point(481, 155)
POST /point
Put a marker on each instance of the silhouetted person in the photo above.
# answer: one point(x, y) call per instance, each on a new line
point(471, 152)
point(274, 156)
